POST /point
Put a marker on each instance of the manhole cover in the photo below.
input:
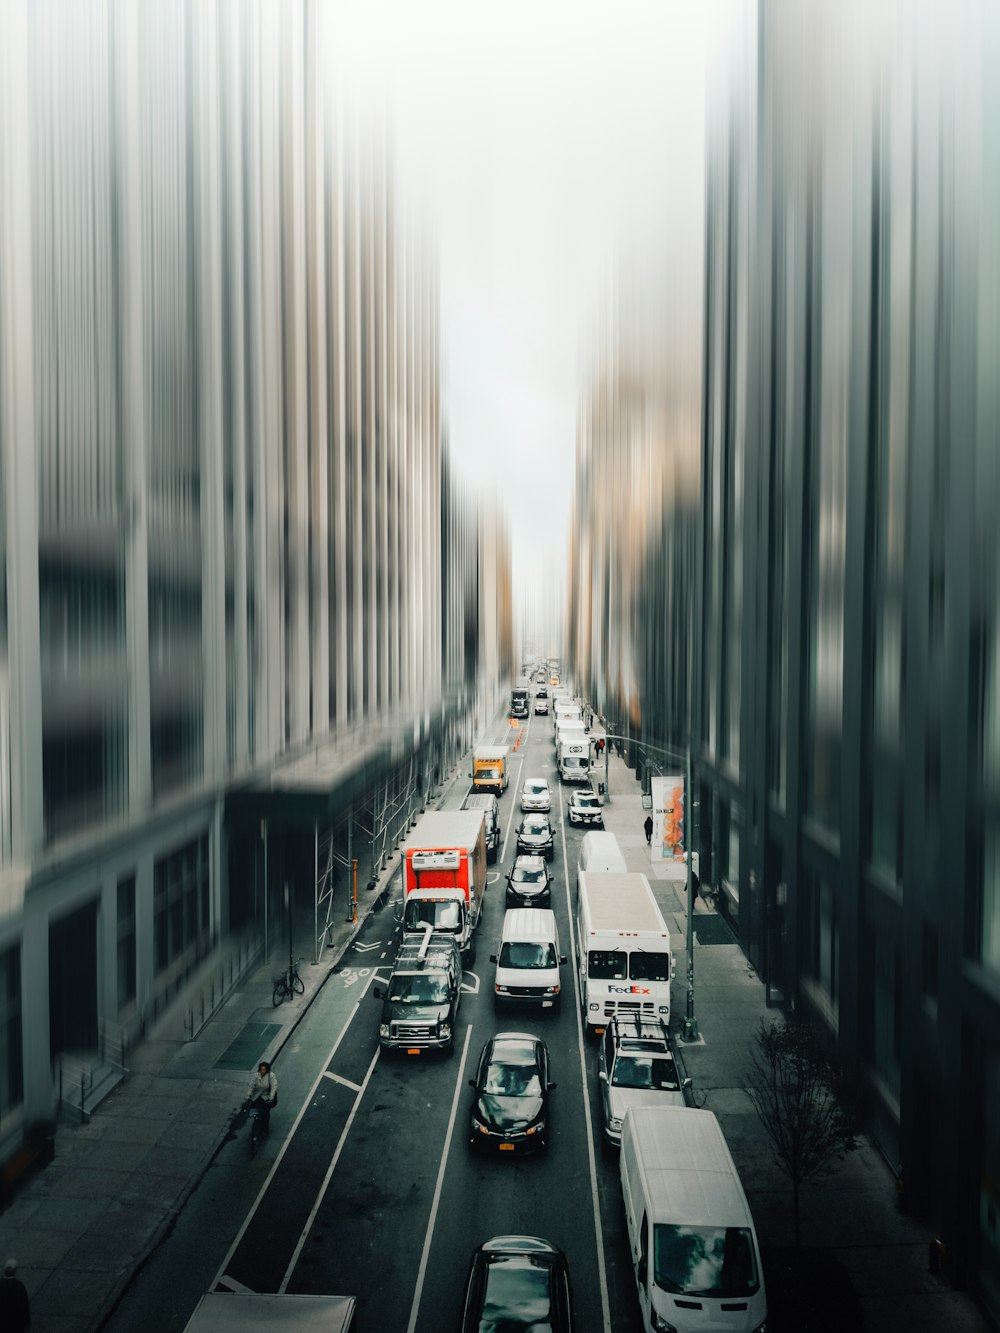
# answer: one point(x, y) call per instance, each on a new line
point(711, 928)
point(249, 1046)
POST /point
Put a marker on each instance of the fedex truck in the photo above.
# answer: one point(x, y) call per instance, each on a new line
point(623, 949)
point(444, 875)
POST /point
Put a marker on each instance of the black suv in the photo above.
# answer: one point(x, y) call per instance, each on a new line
point(420, 1003)
point(534, 837)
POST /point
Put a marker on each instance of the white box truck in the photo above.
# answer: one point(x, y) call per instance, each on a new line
point(243, 1312)
point(623, 949)
point(691, 1236)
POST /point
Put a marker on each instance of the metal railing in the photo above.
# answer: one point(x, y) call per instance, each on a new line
point(218, 984)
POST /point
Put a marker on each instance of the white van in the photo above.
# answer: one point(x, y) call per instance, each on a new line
point(528, 959)
point(693, 1244)
point(600, 851)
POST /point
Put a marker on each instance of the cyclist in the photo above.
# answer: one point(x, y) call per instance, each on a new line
point(263, 1091)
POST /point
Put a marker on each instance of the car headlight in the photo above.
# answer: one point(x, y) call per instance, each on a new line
point(444, 1030)
point(383, 1029)
point(536, 1129)
point(551, 990)
point(501, 990)
point(614, 1124)
point(660, 1325)
point(478, 1127)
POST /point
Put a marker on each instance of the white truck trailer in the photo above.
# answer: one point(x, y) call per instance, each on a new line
point(623, 949)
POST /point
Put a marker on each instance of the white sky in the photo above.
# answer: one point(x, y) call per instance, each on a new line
point(540, 140)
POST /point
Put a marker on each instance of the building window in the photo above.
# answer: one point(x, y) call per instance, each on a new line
point(181, 911)
point(11, 1064)
point(126, 942)
point(823, 939)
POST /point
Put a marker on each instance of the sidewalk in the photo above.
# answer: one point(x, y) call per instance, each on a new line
point(81, 1227)
point(852, 1214)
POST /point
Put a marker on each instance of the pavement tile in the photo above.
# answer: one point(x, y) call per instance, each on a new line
point(68, 1214)
point(38, 1247)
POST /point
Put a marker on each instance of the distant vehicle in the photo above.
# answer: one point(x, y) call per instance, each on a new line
point(585, 808)
point(600, 851)
point(529, 883)
point(636, 1068)
point(535, 795)
point(420, 1002)
point(534, 836)
point(541, 704)
point(518, 1282)
point(510, 1109)
point(490, 806)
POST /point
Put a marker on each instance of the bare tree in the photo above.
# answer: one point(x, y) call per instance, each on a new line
point(790, 1082)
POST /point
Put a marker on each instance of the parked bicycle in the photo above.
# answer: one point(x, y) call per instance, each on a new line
point(287, 985)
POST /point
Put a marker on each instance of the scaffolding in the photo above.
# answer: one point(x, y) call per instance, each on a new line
point(363, 840)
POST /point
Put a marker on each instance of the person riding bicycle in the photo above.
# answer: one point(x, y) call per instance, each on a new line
point(263, 1093)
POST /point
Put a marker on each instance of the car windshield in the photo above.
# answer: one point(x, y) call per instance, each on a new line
point(704, 1261)
point(649, 966)
point(517, 1296)
point(512, 1081)
point(536, 828)
point(588, 802)
point(607, 964)
point(488, 774)
point(536, 789)
point(524, 956)
point(574, 761)
point(528, 875)
point(645, 1071)
point(442, 916)
point(418, 988)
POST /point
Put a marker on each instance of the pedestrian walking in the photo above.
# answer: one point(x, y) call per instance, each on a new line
point(648, 826)
point(15, 1315)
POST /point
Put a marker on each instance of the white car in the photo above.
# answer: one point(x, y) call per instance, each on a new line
point(636, 1068)
point(541, 704)
point(585, 808)
point(535, 795)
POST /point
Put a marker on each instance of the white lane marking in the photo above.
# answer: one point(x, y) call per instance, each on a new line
point(231, 1284)
point(602, 1276)
point(329, 1174)
point(470, 990)
point(510, 817)
point(459, 1082)
point(365, 948)
point(284, 1147)
point(338, 1078)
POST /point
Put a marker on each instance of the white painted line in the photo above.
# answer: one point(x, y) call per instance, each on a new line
point(337, 1078)
point(510, 817)
point(415, 1308)
point(329, 1175)
point(288, 1138)
point(230, 1284)
point(602, 1276)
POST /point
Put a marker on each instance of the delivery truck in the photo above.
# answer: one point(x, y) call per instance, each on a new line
point(444, 876)
point(623, 949)
point(490, 765)
point(248, 1312)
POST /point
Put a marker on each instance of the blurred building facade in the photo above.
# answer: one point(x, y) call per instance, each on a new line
point(846, 731)
point(229, 531)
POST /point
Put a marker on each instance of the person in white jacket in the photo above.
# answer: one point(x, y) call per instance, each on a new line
point(263, 1090)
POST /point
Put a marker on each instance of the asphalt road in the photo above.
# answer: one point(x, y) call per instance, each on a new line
point(367, 1185)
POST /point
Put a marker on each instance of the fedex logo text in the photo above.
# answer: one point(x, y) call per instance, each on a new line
point(629, 990)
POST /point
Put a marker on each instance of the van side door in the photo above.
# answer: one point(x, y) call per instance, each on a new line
point(642, 1277)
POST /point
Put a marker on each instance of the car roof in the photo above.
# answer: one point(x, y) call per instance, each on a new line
point(542, 782)
point(522, 1043)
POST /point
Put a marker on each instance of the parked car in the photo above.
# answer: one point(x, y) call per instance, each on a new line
point(636, 1067)
point(510, 1108)
point(535, 795)
point(534, 836)
point(585, 808)
point(529, 883)
point(518, 1282)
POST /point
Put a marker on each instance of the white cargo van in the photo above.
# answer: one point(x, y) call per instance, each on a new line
point(528, 959)
point(692, 1239)
point(239, 1312)
point(600, 851)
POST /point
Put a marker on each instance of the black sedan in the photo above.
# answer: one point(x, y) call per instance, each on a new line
point(517, 1282)
point(529, 883)
point(534, 837)
point(510, 1110)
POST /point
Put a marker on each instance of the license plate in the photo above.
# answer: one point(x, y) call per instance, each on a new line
point(506, 1147)
point(413, 1050)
